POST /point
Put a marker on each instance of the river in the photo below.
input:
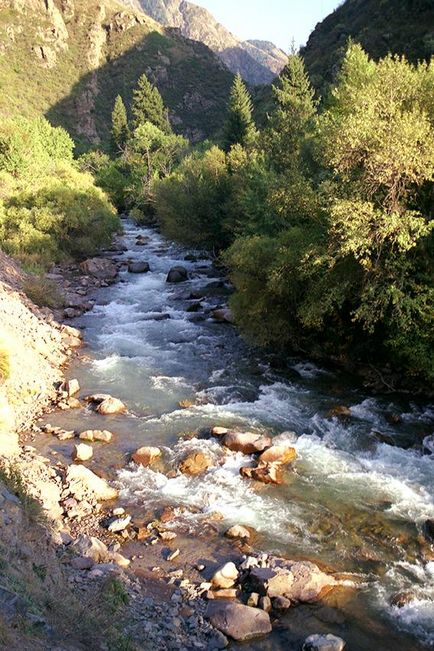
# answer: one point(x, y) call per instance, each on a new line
point(360, 490)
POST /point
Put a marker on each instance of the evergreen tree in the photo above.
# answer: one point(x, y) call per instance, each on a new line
point(293, 117)
point(240, 127)
point(148, 106)
point(120, 130)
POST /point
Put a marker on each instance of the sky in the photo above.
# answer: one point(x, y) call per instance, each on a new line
point(280, 21)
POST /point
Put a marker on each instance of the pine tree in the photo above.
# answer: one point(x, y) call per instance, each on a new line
point(240, 127)
point(148, 106)
point(120, 130)
point(293, 116)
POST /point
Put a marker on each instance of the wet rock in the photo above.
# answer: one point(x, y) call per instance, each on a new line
point(402, 599)
point(223, 315)
point(118, 559)
point(239, 622)
point(339, 412)
point(177, 275)
point(246, 442)
point(300, 581)
point(173, 555)
point(266, 473)
point(142, 240)
point(428, 531)
point(195, 464)
point(111, 406)
point(66, 436)
point(324, 643)
point(82, 480)
point(138, 267)
point(238, 532)
point(83, 452)
point(428, 444)
point(225, 577)
point(101, 268)
point(92, 435)
point(253, 600)
point(278, 454)
point(146, 456)
point(281, 604)
point(219, 431)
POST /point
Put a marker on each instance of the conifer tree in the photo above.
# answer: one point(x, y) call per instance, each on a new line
point(240, 127)
point(120, 130)
point(148, 106)
point(293, 116)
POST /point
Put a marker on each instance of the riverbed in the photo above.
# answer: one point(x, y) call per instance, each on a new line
point(357, 496)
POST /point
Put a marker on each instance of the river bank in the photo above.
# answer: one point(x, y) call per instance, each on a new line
point(160, 348)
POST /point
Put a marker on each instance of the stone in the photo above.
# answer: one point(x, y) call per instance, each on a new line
point(339, 412)
point(167, 536)
point(324, 643)
point(72, 388)
point(119, 560)
point(101, 268)
point(93, 435)
point(253, 600)
point(238, 532)
point(225, 577)
point(177, 275)
point(146, 456)
point(82, 480)
point(195, 464)
point(278, 454)
point(402, 599)
point(265, 604)
point(227, 593)
point(223, 315)
point(111, 406)
point(138, 267)
point(239, 622)
point(172, 555)
point(280, 604)
point(299, 581)
point(219, 431)
point(428, 444)
point(90, 547)
point(266, 473)
point(428, 530)
point(83, 452)
point(246, 442)
point(119, 524)
point(66, 436)
point(82, 563)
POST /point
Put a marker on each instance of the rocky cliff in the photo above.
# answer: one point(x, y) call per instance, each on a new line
point(257, 61)
point(68, 59)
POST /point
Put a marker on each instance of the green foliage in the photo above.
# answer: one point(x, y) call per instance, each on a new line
point(43, 292)
point(120, 130)
point(148, 106)
point(240, 128)
point(111, 175)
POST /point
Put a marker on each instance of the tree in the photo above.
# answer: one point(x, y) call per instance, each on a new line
point(240, 128)
point(148, 106)
point(120, 130)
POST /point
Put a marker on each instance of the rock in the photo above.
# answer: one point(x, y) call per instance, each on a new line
point(119, 511)
point(82, 481)
point(167, 536)
point(111, 406)
point(219, 431)
point(66, 436)
point(119, 560)
point(93, 435)
point(82, 563)
point(73, 403)
point(428, 530)
point(146, 456)
point(227, 593)
point(428, 444)
point(246, 442)
point(266, 473)
point(265, 604)
point(253, 600)
point(278, 454)
point(72, 388)
point(280, 604)
point(401, 599)
point(172, 555)
point(83, 452)
point(90, 547)
point(101, 268)
point(339, 412)
point(225, 577)
point(323, 643)
point(223, 315)
point(119, 524)
point(238, 532)
point(239, 622)
point(299, 581)
point(138, 268)
point(195, 464)
point(177, 275)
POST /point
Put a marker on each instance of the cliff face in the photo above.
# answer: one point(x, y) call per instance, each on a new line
point(257, 61)
point(397, 26)
point(68, 59)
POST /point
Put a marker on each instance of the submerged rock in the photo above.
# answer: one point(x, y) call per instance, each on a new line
point(195, 464)
point(106, 404)
point(324, 643)
point(278, 454)
point(266, 473)
point(177, 275)
point(239, 622)
point(246, 442)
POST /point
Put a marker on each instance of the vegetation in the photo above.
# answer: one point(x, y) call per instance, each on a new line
point(240, 127)
point(148, 106)
point(4, 364)
point(120, 130)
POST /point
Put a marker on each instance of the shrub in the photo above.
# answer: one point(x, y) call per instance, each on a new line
point(43, 293)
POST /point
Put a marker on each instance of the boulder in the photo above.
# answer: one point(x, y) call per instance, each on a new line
point(278, 454)
point(219, 431)
point(428, 444)
point(239, 622)
point(82, 480)
point(90, 547)
point(138, 267)
point(238, 532)
point(324, 643)
point(195, 464)
point(82, 563)
point(83, 452)
point(428, 530)
point(340, 411)
point(177, 275)
point(111, 406)
point(223, 315)
point(92, 435)
point(101, 268)
point(280, 604)
point(72, 388)
point(266, 473)
point(300, 581)
point(146, 456)
point(119, 524)
point(225, 577)
point(246, 442)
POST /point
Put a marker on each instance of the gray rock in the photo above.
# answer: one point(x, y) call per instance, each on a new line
point(324, 643)
point(138, 267)
point(177, 275)
point(237, 621)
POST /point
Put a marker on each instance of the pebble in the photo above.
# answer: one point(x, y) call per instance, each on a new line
point(173, 555)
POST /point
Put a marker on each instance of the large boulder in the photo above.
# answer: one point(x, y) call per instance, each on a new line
point(195, 464)
point(89, 547)
point(138, 267)
point(239, 622)
point(324, 643)
point(238, 532)
point(100, 268)
point(278, 454)
point(146, 456)
point(299, 581)
point(246, 442)
point(83, 481)
point(177, 275)
point(106, 405)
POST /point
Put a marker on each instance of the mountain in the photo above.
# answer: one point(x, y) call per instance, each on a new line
point(259, 62)
point(68, 59)
point(397, 26)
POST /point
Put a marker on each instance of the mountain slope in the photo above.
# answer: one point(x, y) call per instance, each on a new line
point(257, 61)
point(397, 26)
point(68, 59)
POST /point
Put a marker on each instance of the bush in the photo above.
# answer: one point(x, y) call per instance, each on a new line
point(43, 293)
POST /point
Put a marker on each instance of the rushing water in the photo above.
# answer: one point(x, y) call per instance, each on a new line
point(355, 500)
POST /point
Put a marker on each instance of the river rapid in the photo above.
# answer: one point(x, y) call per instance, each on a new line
point(356, 498)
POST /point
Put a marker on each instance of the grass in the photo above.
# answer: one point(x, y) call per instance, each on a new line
point(43, 293)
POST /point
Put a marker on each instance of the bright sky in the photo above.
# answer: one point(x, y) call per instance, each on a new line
point(279, 21)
